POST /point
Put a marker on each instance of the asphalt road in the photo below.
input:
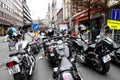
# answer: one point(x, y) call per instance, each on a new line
point(43, 70)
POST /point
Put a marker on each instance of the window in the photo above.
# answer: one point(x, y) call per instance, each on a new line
point(1, 4)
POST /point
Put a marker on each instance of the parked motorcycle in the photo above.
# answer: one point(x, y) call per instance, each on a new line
point(35, 45)
point(21, 64)
point(94, 54)
point(110, 45)
point(66, 71)
point(50, 53)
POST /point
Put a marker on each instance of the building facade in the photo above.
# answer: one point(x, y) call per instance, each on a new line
point(54, 8)
point(11, 12)
point(26, 14)
point(114, 5)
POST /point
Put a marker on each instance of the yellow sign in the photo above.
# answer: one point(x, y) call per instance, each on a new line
point(113, 24)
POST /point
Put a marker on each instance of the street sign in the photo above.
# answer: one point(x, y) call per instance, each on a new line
point(35, 27)
point(113, 24)
point(115, 14)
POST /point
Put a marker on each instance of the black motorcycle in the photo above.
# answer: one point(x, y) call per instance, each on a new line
point(94, 54)
point(50, 53)
point(112, 46)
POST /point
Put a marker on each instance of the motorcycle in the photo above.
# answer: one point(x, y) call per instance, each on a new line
point(66, 70)
point(35, 44)
point(50, 53)
point(110, 45)
point(21, 64)
point(62, 48)
point(94, 54)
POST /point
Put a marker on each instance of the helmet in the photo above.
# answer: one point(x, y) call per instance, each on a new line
point(19, 35)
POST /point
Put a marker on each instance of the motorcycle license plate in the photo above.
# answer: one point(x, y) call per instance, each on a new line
point(52, 54)
point(13, 70)
point(106, 58)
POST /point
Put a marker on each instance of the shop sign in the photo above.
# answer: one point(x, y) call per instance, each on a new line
point(113, 24)
point(94, 15)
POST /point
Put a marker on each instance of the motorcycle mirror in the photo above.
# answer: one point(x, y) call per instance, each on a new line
point(72, 59)
point(55, 69)
point(98, 37)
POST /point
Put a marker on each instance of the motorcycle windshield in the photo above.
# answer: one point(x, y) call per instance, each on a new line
point(65, 64)
point(114, 44)
point(85, 46)
point(67, 51)
point(63, 51)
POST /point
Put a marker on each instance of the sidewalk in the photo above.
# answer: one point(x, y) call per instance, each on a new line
point(1, 38)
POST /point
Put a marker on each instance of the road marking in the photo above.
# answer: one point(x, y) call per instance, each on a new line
point(40, 57)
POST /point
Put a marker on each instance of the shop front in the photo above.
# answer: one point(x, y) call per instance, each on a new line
point(115, 9)
point(4, 25)
point(96, 20)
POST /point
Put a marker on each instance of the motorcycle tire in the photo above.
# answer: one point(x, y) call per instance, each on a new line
point(20, 76)
point(103, 68)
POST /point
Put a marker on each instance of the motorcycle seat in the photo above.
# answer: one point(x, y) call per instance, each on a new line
point(65, 64)
point(118, 51)
point(15, 54)
point(92, 45)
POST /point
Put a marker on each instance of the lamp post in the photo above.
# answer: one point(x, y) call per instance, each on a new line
point(89, 21)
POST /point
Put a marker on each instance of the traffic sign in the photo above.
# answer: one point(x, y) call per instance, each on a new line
point(35, 27)
point(113, 24)
point(115, 14)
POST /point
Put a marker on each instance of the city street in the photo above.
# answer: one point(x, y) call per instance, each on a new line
point(43, 70)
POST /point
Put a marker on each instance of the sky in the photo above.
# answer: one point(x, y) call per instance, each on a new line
point(38, 8)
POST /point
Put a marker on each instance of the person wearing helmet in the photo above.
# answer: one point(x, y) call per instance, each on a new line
point(12, 33)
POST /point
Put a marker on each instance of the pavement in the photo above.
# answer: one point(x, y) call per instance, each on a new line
point(1, 38)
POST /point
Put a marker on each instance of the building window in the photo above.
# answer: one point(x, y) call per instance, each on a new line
point(4, 6)
point(1, 4)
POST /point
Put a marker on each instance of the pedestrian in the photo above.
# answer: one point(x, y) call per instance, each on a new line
point(12, 32)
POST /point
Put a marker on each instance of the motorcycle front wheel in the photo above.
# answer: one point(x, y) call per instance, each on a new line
point(11, 46)
point(20, 76)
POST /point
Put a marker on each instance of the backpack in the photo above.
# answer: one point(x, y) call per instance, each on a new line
point(10, 32)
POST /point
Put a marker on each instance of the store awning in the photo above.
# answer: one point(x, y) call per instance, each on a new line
point(66, 21)
point(5, 23)
point(83, 18)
